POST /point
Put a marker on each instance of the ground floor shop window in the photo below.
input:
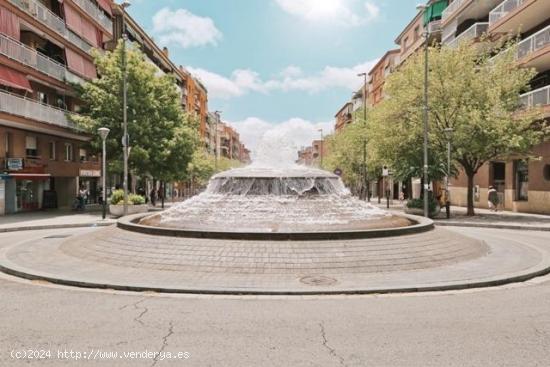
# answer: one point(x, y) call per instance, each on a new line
point(522, 179)
point(29, 194)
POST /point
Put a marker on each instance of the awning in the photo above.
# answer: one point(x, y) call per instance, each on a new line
point(13, 78)
point(106, 5)
point(31, 176)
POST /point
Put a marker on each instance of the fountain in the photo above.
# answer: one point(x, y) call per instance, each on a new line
point(274, 198)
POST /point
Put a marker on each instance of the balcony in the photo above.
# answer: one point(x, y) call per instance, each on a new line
point(96, 13)
point(533, 51)
point(453, 7)
point(472, 33)
point(434, 26)
point(45, 16)
point(504, 8)
point(536, 98)
point(20, 52)
point(31, 109)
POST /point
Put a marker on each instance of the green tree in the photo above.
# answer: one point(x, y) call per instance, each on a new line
point(162, 136)
point(475, 95)
point(346, 152)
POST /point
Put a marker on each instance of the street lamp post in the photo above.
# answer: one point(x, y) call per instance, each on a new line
point(125, 139)
point(364, 75)
point(426, 107)
point(321, 153)
point(103, 133)
point(448, 134)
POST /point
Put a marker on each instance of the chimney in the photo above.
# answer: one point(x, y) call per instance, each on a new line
point(165, 51)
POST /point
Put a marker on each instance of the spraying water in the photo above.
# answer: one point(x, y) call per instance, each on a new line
point(274, 194)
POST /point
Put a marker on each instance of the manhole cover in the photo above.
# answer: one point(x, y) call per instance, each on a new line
point(318, 280)
point(58, 236)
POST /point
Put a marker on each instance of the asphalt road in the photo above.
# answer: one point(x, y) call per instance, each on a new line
point(506, 326)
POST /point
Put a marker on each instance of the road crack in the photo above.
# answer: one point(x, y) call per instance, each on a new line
point(164, 343)
point(331, 350)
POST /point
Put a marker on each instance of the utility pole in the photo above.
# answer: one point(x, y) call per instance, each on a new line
point(216, 146)
point(125, 139)
point(321, 153)
point(426, 111)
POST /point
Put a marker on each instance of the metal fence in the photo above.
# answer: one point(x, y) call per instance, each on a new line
point(504, 8)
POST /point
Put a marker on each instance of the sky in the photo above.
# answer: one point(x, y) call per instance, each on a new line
point(278, 66)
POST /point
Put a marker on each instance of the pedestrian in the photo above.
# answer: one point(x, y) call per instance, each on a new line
point(492, 198)
point(82, 197)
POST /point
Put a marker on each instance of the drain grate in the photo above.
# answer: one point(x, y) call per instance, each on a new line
point(318, 280)
point(58, 236)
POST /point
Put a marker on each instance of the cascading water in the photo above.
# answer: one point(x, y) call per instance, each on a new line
point(273, 194)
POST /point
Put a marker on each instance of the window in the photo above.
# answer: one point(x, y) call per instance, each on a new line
point(416, 32)
point(546, 172)
point(30, 146)
point(82, 155)
point(51, 148)
point(7, 144)
point(68, 152)
point(522, 179)
point(405, 44)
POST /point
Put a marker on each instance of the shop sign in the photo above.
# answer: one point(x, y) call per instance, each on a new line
point(90, 173)
point(14, 164)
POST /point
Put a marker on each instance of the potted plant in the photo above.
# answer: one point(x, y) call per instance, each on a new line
point(136, 203)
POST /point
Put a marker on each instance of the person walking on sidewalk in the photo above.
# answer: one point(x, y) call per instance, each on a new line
point(493, 198)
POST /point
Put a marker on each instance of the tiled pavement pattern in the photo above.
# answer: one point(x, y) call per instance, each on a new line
point(130, 249)
point(113, 258)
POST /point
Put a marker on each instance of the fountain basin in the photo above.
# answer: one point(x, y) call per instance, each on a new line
point(415, 224)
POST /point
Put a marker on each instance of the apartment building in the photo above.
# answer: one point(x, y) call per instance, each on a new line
point(194, 96)
point(343, 117)
point(45, 46)
point(379, 72)
point(229, 144)
point(523, 183)
point(312, 155)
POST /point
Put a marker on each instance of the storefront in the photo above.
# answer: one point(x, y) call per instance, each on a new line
point(3, 179)
point(89, 180)
point(28, 191)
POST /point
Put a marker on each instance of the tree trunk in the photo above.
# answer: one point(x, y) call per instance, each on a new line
point(163, 192)
point(470, 207)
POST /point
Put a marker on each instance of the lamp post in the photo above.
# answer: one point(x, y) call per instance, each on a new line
point(216, 147)
point(103, 133)
point(321, 153)
point(449, 135)
point(364, 75)
point(425, 145)
point(125, 139)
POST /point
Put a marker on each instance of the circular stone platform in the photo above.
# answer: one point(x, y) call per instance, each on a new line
point(114, 258)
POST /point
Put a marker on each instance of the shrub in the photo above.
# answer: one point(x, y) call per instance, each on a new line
point(419, 204)
point(118, 198)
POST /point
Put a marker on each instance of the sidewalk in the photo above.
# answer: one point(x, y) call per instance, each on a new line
point(483, 218)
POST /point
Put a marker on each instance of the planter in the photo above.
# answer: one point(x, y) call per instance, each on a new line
point(118, 210)
point(420, 212)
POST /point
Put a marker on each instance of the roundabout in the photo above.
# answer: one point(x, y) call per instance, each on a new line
point(273, 231)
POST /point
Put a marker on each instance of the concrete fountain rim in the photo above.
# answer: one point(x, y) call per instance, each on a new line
point(419, 225)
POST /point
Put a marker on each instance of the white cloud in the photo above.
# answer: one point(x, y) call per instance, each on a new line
point(294, 133)
point(344, 12)
point(184, 28)
point(292, 78)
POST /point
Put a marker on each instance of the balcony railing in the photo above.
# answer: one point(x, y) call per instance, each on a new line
point(95, 13)
point(475, 31)
point(536, 98)
point(534, 43)
point(24, 54)
point(29, 108)
point(452, 8)
point(45, 16)
point(504, 8)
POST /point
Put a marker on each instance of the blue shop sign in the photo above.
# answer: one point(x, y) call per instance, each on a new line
point(14, 164)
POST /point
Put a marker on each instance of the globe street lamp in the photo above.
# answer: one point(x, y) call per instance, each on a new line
point(449, 135)
point(103, 133)
point(425, 145)
point(125, 139)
